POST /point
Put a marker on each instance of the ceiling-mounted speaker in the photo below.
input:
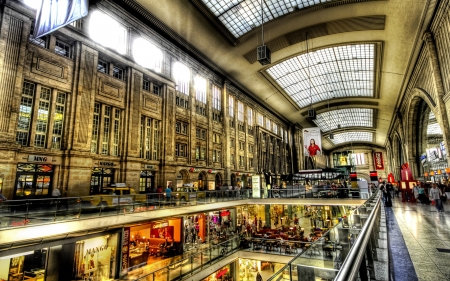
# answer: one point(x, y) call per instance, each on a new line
point(331, 136)
point(311, 113)
point(263, 54)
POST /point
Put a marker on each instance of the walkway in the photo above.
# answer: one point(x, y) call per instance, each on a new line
point(425, 236)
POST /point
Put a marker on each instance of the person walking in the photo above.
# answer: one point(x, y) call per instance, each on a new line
point(435, 194)
point(447, 192)
point(2, 197)
point(168, 192)
point(416, 191)
point(56, 193)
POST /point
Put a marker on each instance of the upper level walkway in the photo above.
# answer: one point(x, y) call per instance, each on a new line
point(31, 221)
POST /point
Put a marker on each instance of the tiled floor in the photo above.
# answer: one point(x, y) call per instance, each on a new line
point(423, 230)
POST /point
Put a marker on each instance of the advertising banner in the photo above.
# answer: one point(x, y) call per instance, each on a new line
point(52, 14)
point(312, 141)
point(378, 160)
point(256, 185)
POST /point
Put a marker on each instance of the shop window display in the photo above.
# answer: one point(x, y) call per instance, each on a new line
point(26, 266)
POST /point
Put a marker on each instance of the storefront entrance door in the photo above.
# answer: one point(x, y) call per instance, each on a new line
point(33, 181)
point(100, 178)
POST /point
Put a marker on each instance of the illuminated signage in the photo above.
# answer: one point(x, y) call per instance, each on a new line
point(125, 248)
point(106, 164)
point(378, 160)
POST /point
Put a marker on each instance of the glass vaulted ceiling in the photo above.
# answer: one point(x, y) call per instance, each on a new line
point(241, 16)
point(347, 117)
point(335, 72)
point(353, 136)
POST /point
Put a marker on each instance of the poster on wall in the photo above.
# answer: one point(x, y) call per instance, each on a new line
point(256, 186)
point(378, 160)
point(312, 141)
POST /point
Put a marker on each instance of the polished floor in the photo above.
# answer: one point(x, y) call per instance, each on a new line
point(420, 246)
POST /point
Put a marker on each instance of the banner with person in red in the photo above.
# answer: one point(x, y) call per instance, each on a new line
point(378, 160)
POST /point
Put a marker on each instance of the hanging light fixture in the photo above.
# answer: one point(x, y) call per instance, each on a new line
point(263, 52)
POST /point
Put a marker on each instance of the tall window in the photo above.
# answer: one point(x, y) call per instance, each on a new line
point(217, 101)
point(147, 54)
point(268, 124)
point(106, 130)
point(46, 129)
point(200, 88)
point(275, 128)
point(241, 160)
point(240, 111)
point(231, 106)
point(260, 119)
point(359, 159)
point(42, 118)
point(95, 128)
point(58, 120)
point(150, 138)
point(107, 31)
point(116, 132)
point(216, 155)
point(182, 76)
point(250, 116)
point(107, 140)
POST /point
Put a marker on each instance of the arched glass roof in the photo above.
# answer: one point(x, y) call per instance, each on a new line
point(344, 118)
point(335, 72)
point(241, 16)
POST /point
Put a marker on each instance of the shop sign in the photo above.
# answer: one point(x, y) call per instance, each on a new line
point(194, 170)
point(125, 249)
point(39, 159)
point(378, 160)
point(256, 184)
point(149, 167)
point(106, 164)
point(224, 213)
point(212, 171)
point(221, 272)
point(161, 225)
point(97, 249)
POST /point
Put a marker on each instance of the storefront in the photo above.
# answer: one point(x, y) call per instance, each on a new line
point(96, 258)
point(102, 176)
point(142, 244)
point(223, 274)
point(147, 180)
point(249, 269)
point(34, 179)
point(24, 266)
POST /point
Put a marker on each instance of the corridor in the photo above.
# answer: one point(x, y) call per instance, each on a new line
point(424, 235)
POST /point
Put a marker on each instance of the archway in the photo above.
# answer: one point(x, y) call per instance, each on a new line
point(182, 178)
point(426, 141)
point(202, 181)
point(218, 180)
point(233, 180)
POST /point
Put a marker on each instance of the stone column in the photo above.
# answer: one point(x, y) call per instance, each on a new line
point(226, 140)
point(437, 76)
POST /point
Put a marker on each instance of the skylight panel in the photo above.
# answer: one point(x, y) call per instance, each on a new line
point(347, 117)
point(241, 16)
point(352, 137)
point(344, 71)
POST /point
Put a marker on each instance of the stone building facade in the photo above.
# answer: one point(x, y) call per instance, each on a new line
point(79, 115)
point(425, 101)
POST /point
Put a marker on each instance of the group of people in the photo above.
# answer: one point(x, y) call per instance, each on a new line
point(436, 194)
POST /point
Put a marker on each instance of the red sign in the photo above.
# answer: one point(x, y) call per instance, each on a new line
point(378, 160)
point(221, 272)
point(224, 213)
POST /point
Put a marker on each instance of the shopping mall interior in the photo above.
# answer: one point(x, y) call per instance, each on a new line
point(224, 139)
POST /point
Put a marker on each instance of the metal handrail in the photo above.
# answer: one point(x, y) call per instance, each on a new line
point(350, 266)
